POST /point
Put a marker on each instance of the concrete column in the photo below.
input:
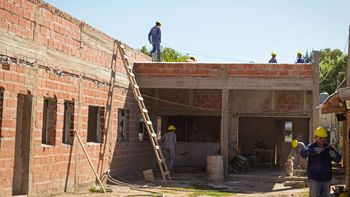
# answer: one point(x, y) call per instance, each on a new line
point(315, 91)
point(224, 119)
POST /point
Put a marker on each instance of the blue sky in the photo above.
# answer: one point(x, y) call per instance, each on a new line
point(222, 30)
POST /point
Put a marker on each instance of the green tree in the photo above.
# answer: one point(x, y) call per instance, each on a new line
point(167, 54)
point(332, 69)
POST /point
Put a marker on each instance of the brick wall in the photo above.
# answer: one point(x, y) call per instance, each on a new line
point(50, 54)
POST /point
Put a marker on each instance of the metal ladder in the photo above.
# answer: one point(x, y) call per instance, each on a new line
point(147, 121)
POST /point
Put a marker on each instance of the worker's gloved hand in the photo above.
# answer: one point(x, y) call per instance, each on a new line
point(332, 154)
point(318, 150)
point(300, 146)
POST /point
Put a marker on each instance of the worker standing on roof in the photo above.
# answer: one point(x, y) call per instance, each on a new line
point(300, 59)
point(273, 59)
point(319, 165)
point(169, 146)
point(155, 38)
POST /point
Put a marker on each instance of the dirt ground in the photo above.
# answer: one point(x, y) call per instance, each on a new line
point(257, 183)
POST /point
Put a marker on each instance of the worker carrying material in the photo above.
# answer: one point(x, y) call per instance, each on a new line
point(169, 146)
point(300, 59)
point(319, 166)
point(155, 38)
point(273, 59)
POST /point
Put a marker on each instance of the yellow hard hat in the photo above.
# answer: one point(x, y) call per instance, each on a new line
point(321, 132)
point(273, 54)
point(299, 53)
point(171, 128)
point(294, 143)
point(344, 194)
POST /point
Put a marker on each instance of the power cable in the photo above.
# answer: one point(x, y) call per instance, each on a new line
point(201, 54)
point(183, 105)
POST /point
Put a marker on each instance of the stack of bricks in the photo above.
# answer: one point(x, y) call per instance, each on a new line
point(50, 54)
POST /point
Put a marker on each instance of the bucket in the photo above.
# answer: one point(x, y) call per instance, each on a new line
point(215, 168)
point(148, 175)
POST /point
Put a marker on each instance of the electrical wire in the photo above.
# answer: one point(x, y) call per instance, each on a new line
point(201, 54)
point(180, 104)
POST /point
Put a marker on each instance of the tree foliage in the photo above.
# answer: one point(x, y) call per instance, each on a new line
point(332, 69)
point(167, 54)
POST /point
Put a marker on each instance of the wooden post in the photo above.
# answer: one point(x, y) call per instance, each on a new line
point(315, 92)
point(346, 127)
point(348, 65)
point(346, 149)
point(224, 120)
point(91, 165)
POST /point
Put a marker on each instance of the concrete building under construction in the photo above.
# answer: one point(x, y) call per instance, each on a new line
point(55, 81)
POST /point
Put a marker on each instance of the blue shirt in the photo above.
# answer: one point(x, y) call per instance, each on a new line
point(300, 60)
point(319, 166)
point(154, 36)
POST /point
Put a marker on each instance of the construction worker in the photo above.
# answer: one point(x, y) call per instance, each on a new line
point(155, 38)
point(273, 59)
point(169, 146)
point(319, 165)
point(297, 147)
point(300, 59)
point(191, 59)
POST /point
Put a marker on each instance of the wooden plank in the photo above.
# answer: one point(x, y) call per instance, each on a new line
point(344, 93)
point(332, 109)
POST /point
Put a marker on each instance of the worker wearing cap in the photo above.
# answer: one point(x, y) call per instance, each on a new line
point(169, 146)
point(319, 165)
point(273, 59)
point(155, 38)
point(300, 59)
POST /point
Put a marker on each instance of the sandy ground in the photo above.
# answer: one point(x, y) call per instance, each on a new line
point(195, 184)
point(257, 182)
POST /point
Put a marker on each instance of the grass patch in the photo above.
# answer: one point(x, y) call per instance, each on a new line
point(210, 193)
point(306, 194)
point(198, 191)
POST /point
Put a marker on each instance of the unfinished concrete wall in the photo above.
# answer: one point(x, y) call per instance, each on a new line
point(46, 53)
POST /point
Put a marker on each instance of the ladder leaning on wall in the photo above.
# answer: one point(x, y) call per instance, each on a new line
point(139, 99)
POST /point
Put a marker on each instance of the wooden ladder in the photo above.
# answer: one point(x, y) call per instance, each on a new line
point(139, 99)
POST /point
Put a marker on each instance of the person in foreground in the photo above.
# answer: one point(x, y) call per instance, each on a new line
point(319, 165)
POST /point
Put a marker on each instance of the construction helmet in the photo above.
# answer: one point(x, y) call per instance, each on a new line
point(321, 132)
point(171, 128)
point(294, 143)
point(299, 53)
point(158, 23)
point(344, 194)
point(273, 54)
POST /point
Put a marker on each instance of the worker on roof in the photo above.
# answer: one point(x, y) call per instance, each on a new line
point(300, 59)
point(319, 165)
point(169, 146)
point(155, 38)
point(273, 59)
point(191, 59)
